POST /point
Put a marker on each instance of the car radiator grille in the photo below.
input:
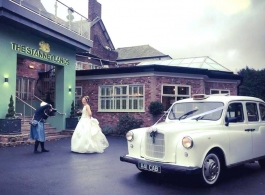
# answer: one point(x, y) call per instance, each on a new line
point(156, 148)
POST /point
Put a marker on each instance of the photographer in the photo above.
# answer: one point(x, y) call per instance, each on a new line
point(37, 132)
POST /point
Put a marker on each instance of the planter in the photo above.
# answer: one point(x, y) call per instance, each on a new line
point(10, 126)
point(71, 123)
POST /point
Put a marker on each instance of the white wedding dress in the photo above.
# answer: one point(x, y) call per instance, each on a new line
point(87, 137)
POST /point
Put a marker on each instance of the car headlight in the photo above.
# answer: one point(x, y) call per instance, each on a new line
point(187, 142)
point(129, 136)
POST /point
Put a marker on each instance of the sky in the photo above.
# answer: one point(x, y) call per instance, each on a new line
point(231, 32)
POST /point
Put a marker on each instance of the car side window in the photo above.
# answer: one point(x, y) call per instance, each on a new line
point(252, 112)
point(262, 111)
point(235, 110)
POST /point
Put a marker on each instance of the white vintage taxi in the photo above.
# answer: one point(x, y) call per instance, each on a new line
point(204, 135)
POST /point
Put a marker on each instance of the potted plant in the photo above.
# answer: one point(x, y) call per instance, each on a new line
point(156, 108)
point(11, 124)
point(72, 121)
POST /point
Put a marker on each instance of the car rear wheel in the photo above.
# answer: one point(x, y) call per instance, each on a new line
point(262, 163)
point(211, 169)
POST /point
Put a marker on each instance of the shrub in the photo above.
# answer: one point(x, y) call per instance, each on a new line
point(72, 112)
point(107, 129)
point(128, 122)
point(11, 109)
point(156, 108)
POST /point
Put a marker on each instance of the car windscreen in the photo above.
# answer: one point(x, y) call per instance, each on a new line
point(197, 110)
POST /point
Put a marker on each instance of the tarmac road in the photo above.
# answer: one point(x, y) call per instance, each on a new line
point(61, 172)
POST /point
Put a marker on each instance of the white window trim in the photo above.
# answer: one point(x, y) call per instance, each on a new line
point(175, 95)
point(79, 87)
point(219, 90)
point(127, 102)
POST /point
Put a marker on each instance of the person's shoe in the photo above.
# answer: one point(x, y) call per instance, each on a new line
point(44, 150)
point(37, 152)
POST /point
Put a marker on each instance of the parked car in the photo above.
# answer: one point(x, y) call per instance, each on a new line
point(204, 135)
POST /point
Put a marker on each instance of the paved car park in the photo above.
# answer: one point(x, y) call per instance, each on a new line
point(63, 172)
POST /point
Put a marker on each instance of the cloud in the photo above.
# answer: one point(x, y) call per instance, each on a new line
point(231, 32)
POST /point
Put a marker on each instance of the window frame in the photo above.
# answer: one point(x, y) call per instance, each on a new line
point(175, 95)
point(219, 91)
point(259, 110)
point(114, 98)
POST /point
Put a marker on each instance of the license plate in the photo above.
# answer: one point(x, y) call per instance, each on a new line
point(149, 167)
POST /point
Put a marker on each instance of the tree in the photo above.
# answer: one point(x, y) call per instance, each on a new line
point(11, 110)
point(72, 112)
point(253, 83)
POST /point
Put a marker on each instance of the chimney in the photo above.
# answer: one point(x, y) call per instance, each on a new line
point(94, 9)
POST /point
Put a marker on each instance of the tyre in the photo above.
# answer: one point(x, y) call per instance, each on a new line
point(262, 163)
point(211, 169)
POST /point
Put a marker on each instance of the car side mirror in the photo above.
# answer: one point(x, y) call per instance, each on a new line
point(226, 121)
point(230, 119)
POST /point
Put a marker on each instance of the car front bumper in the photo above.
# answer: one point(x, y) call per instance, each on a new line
point(165, 167)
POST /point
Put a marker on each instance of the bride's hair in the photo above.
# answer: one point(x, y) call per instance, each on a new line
point(86, 98)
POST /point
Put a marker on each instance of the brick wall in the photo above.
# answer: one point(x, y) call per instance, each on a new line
point(23, 69)
point(232, 87)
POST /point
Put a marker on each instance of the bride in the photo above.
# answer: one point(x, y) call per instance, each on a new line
point(87, 137)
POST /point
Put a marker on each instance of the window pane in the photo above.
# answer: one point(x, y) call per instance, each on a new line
point(262, 111)
point(103, 90)
point(124, 92)
point(117, 91)
point(130, 103)
point(214, 91)
point(235, 110)
point(183, 90)
point(252, 112)
point(141, 104)
point(118, 104)
point(124, 104)
point(225, 92)
point(135, 104)
point(167, 102)
point(169, 90)
point(141, 90)
point(109, 91)
point(181, 98)
point(135, 90)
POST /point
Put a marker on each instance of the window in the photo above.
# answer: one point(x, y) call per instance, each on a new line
point(78, 96)
point(252, 112)
point(219, 91)
point(25, 88)
point(262, 111)
point(86, 66)
point(172, 93)
point(235, 110)
point(121, 98)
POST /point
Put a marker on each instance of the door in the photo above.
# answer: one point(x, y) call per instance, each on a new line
point(256, 124)
point(240, 139)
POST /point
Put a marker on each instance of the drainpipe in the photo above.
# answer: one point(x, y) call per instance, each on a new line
point(241, 82)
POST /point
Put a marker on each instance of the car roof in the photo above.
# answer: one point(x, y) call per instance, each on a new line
point(222, 98)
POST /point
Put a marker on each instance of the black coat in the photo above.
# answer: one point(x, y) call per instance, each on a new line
point(41, 112)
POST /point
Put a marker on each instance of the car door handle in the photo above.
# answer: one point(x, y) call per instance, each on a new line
point(249, 129)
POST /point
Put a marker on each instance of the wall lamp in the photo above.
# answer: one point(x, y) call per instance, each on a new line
point(6, 80)
point(70, 89)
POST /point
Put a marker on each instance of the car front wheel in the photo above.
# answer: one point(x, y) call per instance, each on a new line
point(211, 169)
